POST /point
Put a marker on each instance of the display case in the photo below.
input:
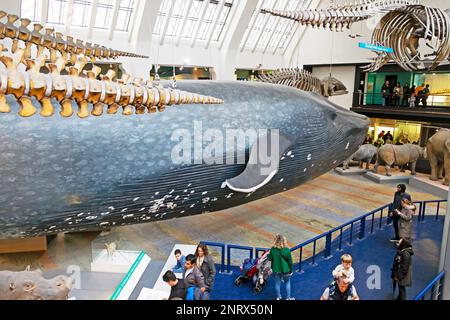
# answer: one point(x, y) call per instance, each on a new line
point(110, 254)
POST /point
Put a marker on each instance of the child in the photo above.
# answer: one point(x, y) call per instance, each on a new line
point(412, 101)
point(346, 266)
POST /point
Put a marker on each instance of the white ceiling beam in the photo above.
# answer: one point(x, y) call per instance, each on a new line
point(252, 24)
point(274, 28)
point(137, 11)
point(146, 21)
point(199, 22)
point(216, 20)
point(166, 24)
point(183, 24)
point(287, 24)
point(231, 17)
point(261, 32)
point(92, 18)
point(44, 12)
point(299, 33)
point(69, 16)
point(112, 28)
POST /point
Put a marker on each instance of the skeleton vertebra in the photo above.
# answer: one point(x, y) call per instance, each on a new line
point(412, 24)
point(304, 80)
point(82, 90)
point(341, 17)
point(53, 41)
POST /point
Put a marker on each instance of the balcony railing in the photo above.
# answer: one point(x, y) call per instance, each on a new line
point(332, 241)
point(392, 101)
point(433, 290)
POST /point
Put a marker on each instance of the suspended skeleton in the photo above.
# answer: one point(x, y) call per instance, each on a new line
point(53, 42)
point(83, 89)
point(403, 30)
point(340, 17)
point(304, 80)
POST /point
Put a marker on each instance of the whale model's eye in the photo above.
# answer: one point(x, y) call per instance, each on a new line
point(333, 116)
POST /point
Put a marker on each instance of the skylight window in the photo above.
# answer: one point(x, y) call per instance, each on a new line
point(80, 12)
point(191, 19)
point(267, 31)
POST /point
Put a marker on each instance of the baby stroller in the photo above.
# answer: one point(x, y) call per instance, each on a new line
point(256, 270)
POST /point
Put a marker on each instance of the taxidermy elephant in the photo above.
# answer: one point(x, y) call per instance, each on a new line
point(438, 150)
point(391, 155)
point(365, 154)
point(31, 285)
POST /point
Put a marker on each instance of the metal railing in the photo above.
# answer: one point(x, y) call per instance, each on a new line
point(356, 229)
point(376, 99)
point(433, 290)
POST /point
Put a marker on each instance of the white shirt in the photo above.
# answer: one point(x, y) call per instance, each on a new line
point(350, 272)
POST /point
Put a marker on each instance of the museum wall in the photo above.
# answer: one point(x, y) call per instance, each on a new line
point(346, 74)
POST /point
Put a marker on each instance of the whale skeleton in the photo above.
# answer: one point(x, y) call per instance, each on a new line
point(306, 81)
point(412, 24)
point(83, 88)
point(341, 17)
point(18, 30)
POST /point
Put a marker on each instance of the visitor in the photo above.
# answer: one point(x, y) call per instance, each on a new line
point(412, 97)
point(398, 94)
point(340, 289)
point(402, 268)
point(418, 94)
point(193, 280)
point(381, 135)
point(425, 95)
point(405, 216)
point(406, 95)
point(205, 263)
point(385, 93)
point(397, 205)
point(181, 260)
point(379, 143)
point(346, 265)
point(388, 136)
point(282, 265)
point(177, 286)
point(368, 140)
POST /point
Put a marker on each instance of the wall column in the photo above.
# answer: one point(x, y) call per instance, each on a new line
point(445, 253)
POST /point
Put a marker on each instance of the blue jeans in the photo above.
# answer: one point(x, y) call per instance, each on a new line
point(286, 277)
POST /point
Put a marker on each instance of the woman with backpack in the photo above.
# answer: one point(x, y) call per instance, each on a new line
point(282, 266)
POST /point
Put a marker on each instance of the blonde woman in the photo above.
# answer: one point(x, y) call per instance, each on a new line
point(281, 258)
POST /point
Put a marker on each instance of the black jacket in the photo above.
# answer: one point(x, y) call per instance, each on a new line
point(208, 270)
point(398, 196)
point(402, 267)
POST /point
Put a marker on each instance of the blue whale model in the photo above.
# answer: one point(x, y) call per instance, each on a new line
point(69, 174)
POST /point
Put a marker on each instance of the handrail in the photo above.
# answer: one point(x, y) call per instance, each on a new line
point(430, 286)
point(366, 224)
point(222, 247)
point(237, 247)
point(376, 99)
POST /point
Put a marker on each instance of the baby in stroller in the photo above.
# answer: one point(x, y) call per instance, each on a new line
point(256, 270)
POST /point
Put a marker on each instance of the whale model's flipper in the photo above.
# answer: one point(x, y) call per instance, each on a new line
point(262, 165)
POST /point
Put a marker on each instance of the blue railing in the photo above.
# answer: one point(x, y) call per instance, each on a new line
point(357, 228)
point(433, 290)
point(221, 246)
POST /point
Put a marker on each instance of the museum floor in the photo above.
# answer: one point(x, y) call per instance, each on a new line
point(300, 214)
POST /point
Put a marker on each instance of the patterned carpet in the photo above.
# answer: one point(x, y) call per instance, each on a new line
point(300, 214)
